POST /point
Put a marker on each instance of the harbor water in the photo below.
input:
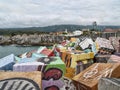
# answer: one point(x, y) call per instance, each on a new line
point(16, 50)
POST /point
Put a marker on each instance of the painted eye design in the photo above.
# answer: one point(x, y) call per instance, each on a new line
point(54, 73)
point(52, 88)
point(18, 84)
point(46, 60)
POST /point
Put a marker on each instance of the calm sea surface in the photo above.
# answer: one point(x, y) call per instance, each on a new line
point(16, 50)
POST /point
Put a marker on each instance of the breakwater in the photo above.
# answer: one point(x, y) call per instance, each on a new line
point(35, 39)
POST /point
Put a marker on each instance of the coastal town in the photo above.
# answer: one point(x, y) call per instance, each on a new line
point(55, 37)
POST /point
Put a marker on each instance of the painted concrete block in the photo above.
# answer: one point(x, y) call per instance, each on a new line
point(52, 68)
point(116, 43)
point(88, 79)
point(101, 58)
point(109, 84)
point(104, 46)
point(7, 62)
point(20, 81)
point(33, 57)
point(86, 43)
point(71, 59)
point(114, 59)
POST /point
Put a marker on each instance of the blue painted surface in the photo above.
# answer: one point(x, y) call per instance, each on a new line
point(7, 62)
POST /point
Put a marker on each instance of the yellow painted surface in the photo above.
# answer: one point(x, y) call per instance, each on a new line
point(83, 56)
point(64, 49)
point(75, 58)
point(73, 39)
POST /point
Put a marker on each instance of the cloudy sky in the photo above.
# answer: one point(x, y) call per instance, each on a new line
point(34, 13)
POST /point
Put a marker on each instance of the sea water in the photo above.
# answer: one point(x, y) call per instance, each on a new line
point(16, 50)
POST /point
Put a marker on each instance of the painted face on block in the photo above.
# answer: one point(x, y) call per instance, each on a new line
point(53, 73)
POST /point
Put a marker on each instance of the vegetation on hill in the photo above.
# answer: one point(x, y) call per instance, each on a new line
point(47, 29)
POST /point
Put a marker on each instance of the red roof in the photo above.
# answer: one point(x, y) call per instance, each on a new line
point(109, 30)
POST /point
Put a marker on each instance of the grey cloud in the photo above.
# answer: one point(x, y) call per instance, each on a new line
point(22, 13)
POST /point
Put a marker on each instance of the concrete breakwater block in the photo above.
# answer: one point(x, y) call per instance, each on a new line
point(20, 81)
point(71, 59)
point(68, 84)
point(52, 68)
point(37, 55)
point(101, 58)
point(86, 43)
point(82, 65)
point(88, 79)
point(104, 46)
point(33, 57)
point(47, 52)
point(109, 84)
point(7, 62)
point(114, 59)
point(116, 43)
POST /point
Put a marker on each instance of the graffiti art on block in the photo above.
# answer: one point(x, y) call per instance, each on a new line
point(18, 84)
point(68, 84)
point(54, 73)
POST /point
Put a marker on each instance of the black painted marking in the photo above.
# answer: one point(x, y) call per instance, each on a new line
point(12, 85)
point(4, 85)
point(18, 84)
point(24, 88)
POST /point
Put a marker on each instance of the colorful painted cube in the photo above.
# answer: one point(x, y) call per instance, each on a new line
point(83, 56)
point(68, 84)
point(71, 58)
point(82, 65)
point(20, 81)
point(52, 68)
point(7, 62)
point(104, 46)
point(114, 59)
point(33, 57)
point(115, 41)
point(86, 43)
point(37, 55)
point(88, 79)
point(109, 84)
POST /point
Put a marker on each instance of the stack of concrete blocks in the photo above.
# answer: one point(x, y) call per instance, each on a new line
point(109, 84)
point(105, 49)
point(77, 60)
point(52, 68)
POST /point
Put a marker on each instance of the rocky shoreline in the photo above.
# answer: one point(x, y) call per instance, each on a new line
point(31, 40)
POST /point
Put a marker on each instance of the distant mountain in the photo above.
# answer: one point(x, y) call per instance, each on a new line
point(55, 28)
